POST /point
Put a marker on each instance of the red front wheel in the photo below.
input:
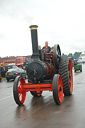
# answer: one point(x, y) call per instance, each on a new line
point(65, 70)
point(57, 89)
point(18, 92)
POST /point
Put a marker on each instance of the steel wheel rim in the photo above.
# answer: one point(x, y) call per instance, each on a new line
point(21, 92)
point(70, 75)
point(60, 89)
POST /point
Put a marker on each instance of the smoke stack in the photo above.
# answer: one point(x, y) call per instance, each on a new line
point(34, 38)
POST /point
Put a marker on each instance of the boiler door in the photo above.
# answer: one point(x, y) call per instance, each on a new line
point(36, 70)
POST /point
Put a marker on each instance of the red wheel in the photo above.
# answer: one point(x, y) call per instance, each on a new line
point(70, 76)
point(18, 92)
point(65, 70)
point(57, 89)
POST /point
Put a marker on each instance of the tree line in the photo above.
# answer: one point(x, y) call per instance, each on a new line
point(76, 55)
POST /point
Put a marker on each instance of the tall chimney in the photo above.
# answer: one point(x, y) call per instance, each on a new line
point(34, 38)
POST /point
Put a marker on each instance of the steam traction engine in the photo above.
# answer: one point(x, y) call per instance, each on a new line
point(46, 72)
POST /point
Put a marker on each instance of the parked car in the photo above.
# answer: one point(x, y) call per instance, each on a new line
point(14, 72)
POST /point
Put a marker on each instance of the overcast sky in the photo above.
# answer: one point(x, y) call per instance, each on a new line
point(59, 22)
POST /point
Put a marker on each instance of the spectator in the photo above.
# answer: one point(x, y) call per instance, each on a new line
point(39, 47)
point(52, 49)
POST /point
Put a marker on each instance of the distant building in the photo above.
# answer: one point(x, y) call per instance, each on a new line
point(82, 57)
point(11, 59)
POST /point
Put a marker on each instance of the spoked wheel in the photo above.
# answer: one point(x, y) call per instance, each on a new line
point(57, 89)
point(57, 55)
point(35, 94)
point(18, 92)
point(65, 70)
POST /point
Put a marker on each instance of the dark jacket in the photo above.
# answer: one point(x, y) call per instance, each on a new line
point(47, 50)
